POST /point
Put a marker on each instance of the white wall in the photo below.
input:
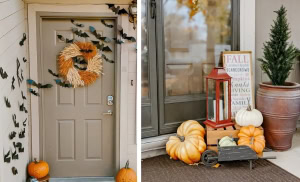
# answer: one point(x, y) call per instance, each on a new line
point(12, 26)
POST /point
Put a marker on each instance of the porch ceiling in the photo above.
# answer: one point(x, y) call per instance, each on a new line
point(78, 1)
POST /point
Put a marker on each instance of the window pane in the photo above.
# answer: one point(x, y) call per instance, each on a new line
point(145, 62)
point(195, 32)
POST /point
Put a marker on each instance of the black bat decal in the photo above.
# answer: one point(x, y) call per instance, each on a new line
point(24, 122)
point(23, 108)
point(63, 84)
point(14, 155)
point(7, 103)
point(52, 73)
point(12, 135)
point(106, 59)
point(14, 170)
point(117, 9)
point(33, 92)
point(7, 157)
point(13, 83)
point(118, 41)
point(14, 117)
point(101, 46)
point(3, 73)
point(21, 149)
point(23, 97)
point(38, 85)
point(18, 76)
point(105, 24)
point(17, 145)
point(22, 133)
point(98, 36)
point(23, 40)
point(60, 37)
point(79, 33)
point(124, 36)
point(76, 24)
point(24, 60)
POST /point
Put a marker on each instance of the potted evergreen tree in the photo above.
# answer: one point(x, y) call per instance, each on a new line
point(278, 100)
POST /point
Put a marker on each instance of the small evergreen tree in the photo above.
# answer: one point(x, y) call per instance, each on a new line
point(279, 55)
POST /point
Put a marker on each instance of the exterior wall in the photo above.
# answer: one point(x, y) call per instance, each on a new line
point(12, 26)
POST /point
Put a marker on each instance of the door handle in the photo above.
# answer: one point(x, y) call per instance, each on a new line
point(109, 112)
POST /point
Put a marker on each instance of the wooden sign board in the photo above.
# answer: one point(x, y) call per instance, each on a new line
point(238, 64)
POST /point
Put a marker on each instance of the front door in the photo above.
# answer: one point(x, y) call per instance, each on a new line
point(77, 133)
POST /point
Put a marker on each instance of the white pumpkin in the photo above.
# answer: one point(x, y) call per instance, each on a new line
point(227, 141)
point(246, 117)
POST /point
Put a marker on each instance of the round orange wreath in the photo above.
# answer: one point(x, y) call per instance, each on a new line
point(80, 64)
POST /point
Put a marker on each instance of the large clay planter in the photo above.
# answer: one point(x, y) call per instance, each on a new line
point(280, 106)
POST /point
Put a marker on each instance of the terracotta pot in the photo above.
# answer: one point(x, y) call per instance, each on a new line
point(280, 106)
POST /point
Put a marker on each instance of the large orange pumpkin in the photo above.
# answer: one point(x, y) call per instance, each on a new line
point(38, 169)
point(126, 174)
point(189, 144)
point(252, 137)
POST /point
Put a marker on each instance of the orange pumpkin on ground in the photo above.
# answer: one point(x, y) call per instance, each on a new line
point(126, 174)
point(38, 169)
point(189, 144)
point(252, 137)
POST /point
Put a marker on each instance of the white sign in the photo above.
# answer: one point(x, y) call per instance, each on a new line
point(238, 65)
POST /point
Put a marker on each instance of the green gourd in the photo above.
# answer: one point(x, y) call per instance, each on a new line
point(227, 141)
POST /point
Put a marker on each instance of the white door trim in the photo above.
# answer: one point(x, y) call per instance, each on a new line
point(121, 77)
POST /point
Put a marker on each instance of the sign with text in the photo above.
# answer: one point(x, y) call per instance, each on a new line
point(238, 64)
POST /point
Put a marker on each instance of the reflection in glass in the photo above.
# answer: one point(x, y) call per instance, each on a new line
point(144, 47)
point(195, 32)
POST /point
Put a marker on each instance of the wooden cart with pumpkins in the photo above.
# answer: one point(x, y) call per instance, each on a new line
point(231, 153)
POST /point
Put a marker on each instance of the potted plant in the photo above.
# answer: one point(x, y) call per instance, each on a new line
point(278, 100)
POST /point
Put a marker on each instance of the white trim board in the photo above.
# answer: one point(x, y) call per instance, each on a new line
point(121, 87)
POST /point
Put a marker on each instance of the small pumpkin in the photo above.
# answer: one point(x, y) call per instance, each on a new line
point(38, 169)
point(252, 137)
point(227, 141)
point(126, 174)
point(249, 116)
point(189, 144)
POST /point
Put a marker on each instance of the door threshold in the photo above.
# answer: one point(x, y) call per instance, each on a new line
point(83, 179)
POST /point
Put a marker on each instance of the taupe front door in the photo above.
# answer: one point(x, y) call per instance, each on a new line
point(77, 137)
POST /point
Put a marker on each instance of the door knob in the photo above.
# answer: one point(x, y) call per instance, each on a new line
point(109, 112)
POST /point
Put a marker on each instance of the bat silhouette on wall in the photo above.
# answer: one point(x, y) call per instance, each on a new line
point(33, 92)
point(124, 36)
point(14, 155)
point(24, 122)
point(12, 135)
point(97, 35)
point(13, 83)
point(106, 59)
point(17, 145)
point(23, 40)
point(21, 149)
point(7, 103)
point(18, 71)
point(62, 83)
point(105, 24)
point(101, 46)
point(80, 33)
point(7, 157)
point(38, 85)
point(76, 24)
point(23, 97)
point(14, 117)
point(52, 73)
point(22, 133)
point(3, 73)
point(60, 37)
point(118, 41)
point(23, 108)
point(24, 60)
point(14, 170)
point(117, 9)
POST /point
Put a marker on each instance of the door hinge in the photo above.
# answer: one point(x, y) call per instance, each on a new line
point(153, 8)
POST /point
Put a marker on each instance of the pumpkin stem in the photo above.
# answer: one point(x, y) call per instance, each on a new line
point(181, 138)
point(127, 165)
point(252, 140)
point(249, 106)
point(35, 161)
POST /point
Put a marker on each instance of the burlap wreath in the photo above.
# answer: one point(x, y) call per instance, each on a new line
point(76, 55)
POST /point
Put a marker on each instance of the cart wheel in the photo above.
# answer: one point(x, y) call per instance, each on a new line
point(209, 158)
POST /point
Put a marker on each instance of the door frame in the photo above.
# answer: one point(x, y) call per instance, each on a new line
point(35, 13)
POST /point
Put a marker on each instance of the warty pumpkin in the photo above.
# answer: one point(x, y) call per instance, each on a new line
point(252, 137)
point(38, 169)
point(189, 144)
point(226, 142)
point(126, 174)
